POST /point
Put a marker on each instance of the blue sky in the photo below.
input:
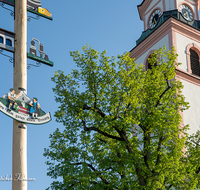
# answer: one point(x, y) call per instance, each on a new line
point(112, 25)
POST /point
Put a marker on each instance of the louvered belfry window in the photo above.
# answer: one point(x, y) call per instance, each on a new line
point(194, 60)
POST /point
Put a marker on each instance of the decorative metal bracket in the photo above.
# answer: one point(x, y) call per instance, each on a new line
point(11, 12)
point(10, 58)
point(38, 64)
point(30, 17)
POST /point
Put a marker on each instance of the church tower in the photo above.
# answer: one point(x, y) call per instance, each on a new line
point(174, 23)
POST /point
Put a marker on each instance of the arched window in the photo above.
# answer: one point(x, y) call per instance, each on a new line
point(1, 39)
point(8, 42)
point(150, 65)
point(194, 61)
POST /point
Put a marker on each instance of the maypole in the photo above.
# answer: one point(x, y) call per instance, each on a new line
point(16, 104)
point(19, 154)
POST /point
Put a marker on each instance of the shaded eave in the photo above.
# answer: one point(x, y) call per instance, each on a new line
point(7, 31)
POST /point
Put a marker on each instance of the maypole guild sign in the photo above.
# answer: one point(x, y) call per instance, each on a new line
point(7, 43)
point(19, 106)
point(33, 6)
point(7, 40)
point(22, 108)
point(43, 57)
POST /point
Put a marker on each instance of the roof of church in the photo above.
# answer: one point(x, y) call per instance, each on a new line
point(139, 9)
point(141, 3)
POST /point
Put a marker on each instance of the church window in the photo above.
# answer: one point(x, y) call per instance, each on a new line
point(150, 65)
point(194, 60)
point(8, 42)
point(1, 39)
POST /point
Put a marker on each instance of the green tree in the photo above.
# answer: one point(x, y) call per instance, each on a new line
point(122, 125)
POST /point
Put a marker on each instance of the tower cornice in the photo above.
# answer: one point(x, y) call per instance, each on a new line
point(146, 3)
point(177, 15)
point(169, 27)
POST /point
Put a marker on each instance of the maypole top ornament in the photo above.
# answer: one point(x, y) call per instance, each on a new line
point(22, 108)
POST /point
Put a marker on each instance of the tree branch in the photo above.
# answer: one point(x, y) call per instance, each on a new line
point(169, 187)
point(195, 143)
point(92, 168)
point(108, 169)
point(126, 109)
point(123, 135)
point(117, 114)
point(121, 163)
point(158, 149)
point(158, 102)
point(101, 132)
point(102, 140)
point(147, 153)
point(198, 171)
point(168, 87)
point(85, 107)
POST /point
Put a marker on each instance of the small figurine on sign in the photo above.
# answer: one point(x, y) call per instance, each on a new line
point(34, 108)
point(33, 48)
point(11, 99)
point(22, 108)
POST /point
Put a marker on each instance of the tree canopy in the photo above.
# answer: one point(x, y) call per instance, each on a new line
point(123, 125)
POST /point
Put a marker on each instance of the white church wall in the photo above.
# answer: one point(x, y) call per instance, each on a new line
point(169, 5)
point(151, 5)
point(192, 115)
point(179, 1)
point(141, 60)
point(181, 44)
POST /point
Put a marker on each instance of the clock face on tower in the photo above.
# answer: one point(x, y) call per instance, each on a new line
point(154, 18)
point(186, 12)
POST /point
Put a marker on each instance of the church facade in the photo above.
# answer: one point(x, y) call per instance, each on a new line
point(174, 23)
